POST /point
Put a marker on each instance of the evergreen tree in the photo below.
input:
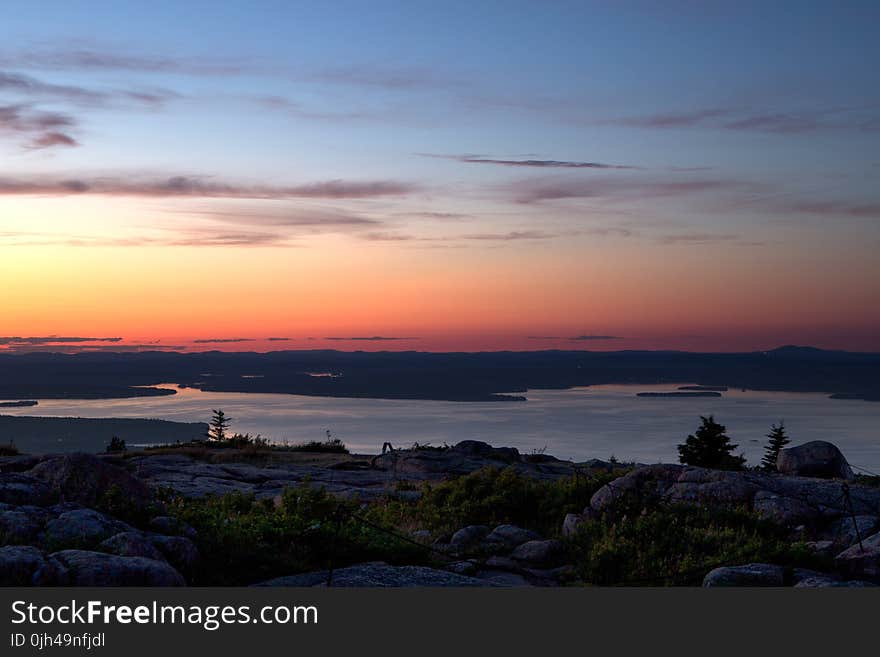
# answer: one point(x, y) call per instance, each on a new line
point(778, 440)
point(710, 447)
point(219, 425)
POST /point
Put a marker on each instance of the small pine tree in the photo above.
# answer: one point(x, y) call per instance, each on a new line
point(710, 447)
point(778, 440)
point(219, 425)
point(116, 445)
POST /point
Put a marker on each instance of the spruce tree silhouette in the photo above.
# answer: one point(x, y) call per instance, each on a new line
point(710, 447)
point(219, 425)
point(778, 440)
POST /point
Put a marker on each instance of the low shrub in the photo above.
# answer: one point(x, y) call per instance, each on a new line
point(678, 545)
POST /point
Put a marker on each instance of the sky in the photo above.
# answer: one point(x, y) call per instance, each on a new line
point(439, 176)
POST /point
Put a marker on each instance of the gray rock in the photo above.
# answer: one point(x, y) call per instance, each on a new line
point(131, 544)
point(510, 536)
point(99, 569)
point(378, 575)
point(843, 532)
point(787, 511)
point(179, 551)
point(540, 554)
point(469, 536)
point(640, 485)
point(463, 567)
point(789, 499)
point(172, 527)
point(503, 578)
point(86, 479)
point(22, 525)
point(861, 562)
point(466, 457)
point(829, 582)
point(82, 527)
point(805, 574)
point(823, 548)
point(705, 487)
point(17, 488)
point(753, 574)
point(817, 458)
point(572, 523)
point(422, 536)
point(23, 565)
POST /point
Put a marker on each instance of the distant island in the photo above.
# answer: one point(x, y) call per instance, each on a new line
point(19, 404)
point(64, 434)
point(705, 393)
point(502, 376)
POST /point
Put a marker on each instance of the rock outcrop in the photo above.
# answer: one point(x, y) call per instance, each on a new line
point(785, 499)
point(378, 574)
point(88, 568)
point(861, 561)
point(753, 574)
point(86, 479)
point(814, 459)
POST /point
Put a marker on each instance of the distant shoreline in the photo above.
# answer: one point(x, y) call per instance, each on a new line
point(704, 393)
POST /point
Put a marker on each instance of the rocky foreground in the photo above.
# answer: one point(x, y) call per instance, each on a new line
point(53, 532)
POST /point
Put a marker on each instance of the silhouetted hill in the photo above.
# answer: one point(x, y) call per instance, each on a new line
point(485, 376)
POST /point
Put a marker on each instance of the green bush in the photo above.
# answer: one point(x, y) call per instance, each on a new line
point(678, 545)
point(243, 540)
point(492, 496)
point(329, 446)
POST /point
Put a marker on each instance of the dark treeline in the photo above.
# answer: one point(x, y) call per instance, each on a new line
point(488, 376)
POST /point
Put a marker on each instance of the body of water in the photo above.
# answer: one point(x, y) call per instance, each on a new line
point(578, 424)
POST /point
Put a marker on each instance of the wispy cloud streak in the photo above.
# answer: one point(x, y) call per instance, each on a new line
point(201, 187)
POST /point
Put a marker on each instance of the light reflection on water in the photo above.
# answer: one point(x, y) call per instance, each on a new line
point(580, 423)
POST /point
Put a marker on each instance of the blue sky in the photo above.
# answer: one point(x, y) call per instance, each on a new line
point(520, 131)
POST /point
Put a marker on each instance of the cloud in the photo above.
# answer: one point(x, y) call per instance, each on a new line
point(587, 338)
point(294, 217)
point(670, 120)
point(438, 215)
point(382, 236)
point(838, 208)
point(697, 238)
point(545, 189)
point(78, 349)
point(221, 340)
point(95, 60)
point(26, 85)
point(552, 164)
point(188, 238)
point(49, 139)
point(34, 89)
point(86, 59)
point(200, 187)
point(43, 129)
point(372, 338)
point(279, 339)
point(773, 122)
point(51, 339)
point(509, 236)
point(514, 235)
point(780, 123)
